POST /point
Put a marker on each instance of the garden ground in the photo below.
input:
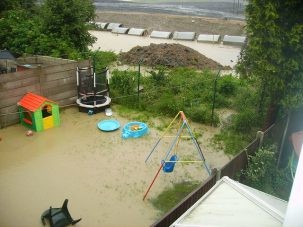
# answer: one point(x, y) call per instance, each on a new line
point(103, 176)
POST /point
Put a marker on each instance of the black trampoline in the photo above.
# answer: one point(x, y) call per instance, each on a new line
point(93, 91)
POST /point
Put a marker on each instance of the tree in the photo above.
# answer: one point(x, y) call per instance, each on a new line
point(58, 28)
point(6, 5)
point(68, 20)
point(273, 55)
point(22, 33)
point(19, 29)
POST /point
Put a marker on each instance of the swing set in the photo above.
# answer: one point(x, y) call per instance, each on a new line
point(170, 160)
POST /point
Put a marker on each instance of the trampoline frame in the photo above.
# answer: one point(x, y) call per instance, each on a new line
point(95, 107)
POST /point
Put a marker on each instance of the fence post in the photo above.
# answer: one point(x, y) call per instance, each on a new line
point(139, 74)
point(217, 172)
point(214, 98)
point(260, 137)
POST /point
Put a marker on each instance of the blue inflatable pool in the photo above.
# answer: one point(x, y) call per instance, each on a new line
point(134, 130)
point(108, 125)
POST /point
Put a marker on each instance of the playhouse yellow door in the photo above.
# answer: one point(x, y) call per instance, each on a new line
point(48, 122)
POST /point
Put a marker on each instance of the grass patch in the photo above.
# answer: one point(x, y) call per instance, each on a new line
point(173, 195)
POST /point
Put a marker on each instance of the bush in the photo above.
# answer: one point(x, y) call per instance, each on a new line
point(168, 105)
point(245, 121)
point(227, 85)
point(246, 98)
point(103, 59)
point(263, 174)
point(202, 114)
point(168, 92)
point(158, 77)
point(232, 143)
point(123, 87)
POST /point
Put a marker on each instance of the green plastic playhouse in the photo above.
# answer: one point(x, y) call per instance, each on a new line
point(38, 113)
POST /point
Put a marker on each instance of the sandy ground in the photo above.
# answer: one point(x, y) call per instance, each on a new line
point(107, 41)
point(103, 176)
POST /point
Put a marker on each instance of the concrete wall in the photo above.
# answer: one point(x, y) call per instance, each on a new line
point(56, 82)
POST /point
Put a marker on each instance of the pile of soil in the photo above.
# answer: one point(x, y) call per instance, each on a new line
point(169, 55)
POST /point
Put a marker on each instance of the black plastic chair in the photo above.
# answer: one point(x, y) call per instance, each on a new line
point(58, 217)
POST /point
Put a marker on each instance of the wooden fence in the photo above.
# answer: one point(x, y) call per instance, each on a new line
point(56, 82)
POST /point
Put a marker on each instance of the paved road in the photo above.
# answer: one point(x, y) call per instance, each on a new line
point(232, 9)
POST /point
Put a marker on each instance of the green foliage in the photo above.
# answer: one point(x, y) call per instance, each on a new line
point(245, 121)
point(100, 59)
point(14, 24)
point(6, 5)
point(172, 196)
point(68, 20)
point(263, 174)
point(230, 141)
point(55, 28)
point(274, 52)
point(228, 85)
point(123, 85)
point(158, 76)
point(104, 59)
point(239, 131)
point(202, 113)
point(167, 92)
point(130, 113)
point(241, 127)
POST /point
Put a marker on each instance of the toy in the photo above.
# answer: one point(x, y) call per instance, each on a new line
point(38, 113)
point(93, 90)
point(134, 130)
point(170, 160)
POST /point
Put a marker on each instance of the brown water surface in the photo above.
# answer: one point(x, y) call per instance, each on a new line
point(103, 176)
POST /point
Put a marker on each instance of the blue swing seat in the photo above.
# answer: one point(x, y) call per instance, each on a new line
point(168, 167)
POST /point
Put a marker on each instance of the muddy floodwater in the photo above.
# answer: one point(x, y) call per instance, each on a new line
point(107, 41)
point(103, 176)
point(209, 8)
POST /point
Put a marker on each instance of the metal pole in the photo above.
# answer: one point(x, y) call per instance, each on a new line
point(161, 166)
point(283, 140)
point(214, 98)
point(138, 90)
point(94, 77)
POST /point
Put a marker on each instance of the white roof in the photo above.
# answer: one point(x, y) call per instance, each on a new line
point(160, 34)
point(120, 30)
point(110, 26)
point(232, 39)
point(230, 203)
point(208, 38)
point(101, 25)
point(294, 217)
point(136, 31)
point(184, 35)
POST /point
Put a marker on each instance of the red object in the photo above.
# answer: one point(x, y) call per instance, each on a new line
point(32, 101)
point(27, 121)
point(297, 141)
point(153, 181)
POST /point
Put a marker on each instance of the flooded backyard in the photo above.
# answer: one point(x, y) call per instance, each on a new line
point(103, 176)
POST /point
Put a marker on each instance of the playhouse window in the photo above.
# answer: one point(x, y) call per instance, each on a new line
point(46, 111)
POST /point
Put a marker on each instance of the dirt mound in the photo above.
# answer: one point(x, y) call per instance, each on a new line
point(170, 55)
